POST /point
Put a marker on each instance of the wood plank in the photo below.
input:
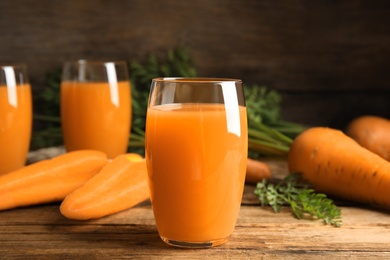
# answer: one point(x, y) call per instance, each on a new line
point(289, 45)
point(334, 109)
point(293, 46)
point(41, 232)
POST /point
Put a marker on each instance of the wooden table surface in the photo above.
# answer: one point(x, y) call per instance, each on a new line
point(41, 232)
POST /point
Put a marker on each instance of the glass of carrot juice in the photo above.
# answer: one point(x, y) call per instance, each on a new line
point(96, 106)
point(196, 151)
point(15, 117)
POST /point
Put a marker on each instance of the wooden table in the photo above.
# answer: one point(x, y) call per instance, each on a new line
point(41, 232)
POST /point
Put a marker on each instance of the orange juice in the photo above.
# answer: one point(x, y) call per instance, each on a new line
point(196, 158)
point(15, 126)
point(96, 115)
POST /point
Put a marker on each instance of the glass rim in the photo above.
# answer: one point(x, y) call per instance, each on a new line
point(195, 80)
point(94, 62)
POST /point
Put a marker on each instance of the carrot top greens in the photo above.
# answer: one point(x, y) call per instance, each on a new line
point(268, 133)
point(304, 202)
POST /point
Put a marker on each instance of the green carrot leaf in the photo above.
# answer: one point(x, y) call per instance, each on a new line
point(304, 202)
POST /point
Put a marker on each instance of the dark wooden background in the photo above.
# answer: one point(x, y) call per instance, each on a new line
point(329, 59)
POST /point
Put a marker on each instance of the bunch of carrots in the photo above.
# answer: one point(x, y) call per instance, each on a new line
point(352, 165)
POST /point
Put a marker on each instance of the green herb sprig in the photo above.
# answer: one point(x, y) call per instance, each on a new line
point(178, 63)
point(304, 202)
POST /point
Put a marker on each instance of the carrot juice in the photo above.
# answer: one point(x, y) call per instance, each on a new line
point(15, 126)
point(96, 115)
point(196, 165)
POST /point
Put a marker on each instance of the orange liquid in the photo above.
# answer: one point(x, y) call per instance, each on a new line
point(15, 126)
point(96, 116)
point(196, 166)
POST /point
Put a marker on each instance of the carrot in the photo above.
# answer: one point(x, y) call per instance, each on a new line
point(337, 165)
point(256, 171)
point(49, 180)
point(120, 185)
point(373, 133)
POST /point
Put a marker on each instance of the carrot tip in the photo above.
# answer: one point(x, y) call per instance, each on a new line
point(134, 157)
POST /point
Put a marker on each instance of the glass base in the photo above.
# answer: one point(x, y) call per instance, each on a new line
point(186, 244)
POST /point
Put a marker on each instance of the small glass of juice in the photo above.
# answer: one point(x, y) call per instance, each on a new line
point(15, 117)
point(196, 151)
point(96, 106)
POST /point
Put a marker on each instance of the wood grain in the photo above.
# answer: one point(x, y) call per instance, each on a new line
point(298, 47)
point(41, 232)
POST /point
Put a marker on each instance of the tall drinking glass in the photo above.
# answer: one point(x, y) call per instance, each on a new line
point(15, 117)
point(196, 153)
point(96, 106)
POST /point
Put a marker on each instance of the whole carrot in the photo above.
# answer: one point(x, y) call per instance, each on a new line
point(337, 165)
point(49, 180)
point(120, 185)
point(256, 171)
point(373, 133)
